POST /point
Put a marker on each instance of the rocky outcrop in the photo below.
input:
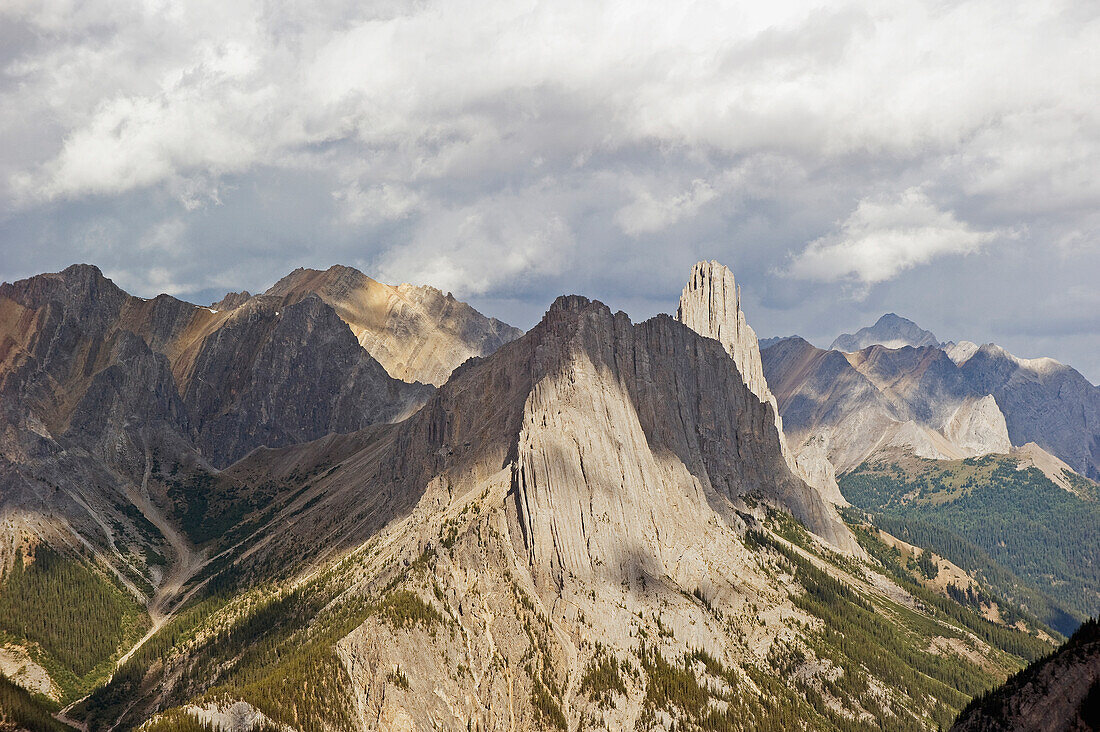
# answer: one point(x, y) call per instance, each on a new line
point(891, 331)
point(1059, 692)
point(612, 403)
point(978, 427)
point(278, 375)
point(711, 306)
point(231, 300)
point(961, 351)
point(417, 333)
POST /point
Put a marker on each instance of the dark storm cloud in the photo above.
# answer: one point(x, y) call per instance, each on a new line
point(938, 160)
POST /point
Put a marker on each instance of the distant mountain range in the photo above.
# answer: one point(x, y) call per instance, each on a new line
point(894, 386)
point(345, 505)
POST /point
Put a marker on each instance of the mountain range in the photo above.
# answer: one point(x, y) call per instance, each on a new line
point(348, 505)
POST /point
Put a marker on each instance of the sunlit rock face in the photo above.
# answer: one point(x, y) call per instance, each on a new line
point(416, 332)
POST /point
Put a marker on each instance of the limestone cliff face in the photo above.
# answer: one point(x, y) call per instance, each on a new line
point(417, 333)
point(634, 432)
point(711, 306)
point(978, 426)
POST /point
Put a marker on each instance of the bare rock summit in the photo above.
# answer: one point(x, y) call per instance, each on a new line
point(417, 333)
point(711, 306)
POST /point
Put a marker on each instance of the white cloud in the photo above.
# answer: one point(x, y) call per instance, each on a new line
point(497, 244)
point(483, 143)
point(647, 213)
point(884, 237)
point(383, 202)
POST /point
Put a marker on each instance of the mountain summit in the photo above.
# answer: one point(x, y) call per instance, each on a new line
point(417, 333)
point(891, 331)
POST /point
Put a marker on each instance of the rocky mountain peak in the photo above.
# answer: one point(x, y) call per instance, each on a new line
point(711, 306)
point(417, 333)
point(891, 331)
point(232, 300)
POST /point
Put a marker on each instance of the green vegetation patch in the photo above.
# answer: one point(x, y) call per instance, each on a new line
point(1019, 532)
point(79, 620)
point(603, 678)
point(21, 710)
point(406, 609)
point(884, 642)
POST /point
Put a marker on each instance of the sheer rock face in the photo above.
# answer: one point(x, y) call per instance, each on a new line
point(416, 333)
point(978, 426)
point(711, 306)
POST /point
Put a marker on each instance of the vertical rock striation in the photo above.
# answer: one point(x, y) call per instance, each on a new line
point(711, 306)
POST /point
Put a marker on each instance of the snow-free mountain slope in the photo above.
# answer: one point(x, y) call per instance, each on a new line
point(416, 332)
point(865, 401)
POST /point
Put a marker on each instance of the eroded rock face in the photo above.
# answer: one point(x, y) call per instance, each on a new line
point(1044, 402)
point(640, 428)
point(278, 375)
point(417, 333)
point(711, 306)
point(978, 426)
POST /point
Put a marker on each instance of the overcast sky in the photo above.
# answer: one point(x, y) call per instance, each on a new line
point(940, 160)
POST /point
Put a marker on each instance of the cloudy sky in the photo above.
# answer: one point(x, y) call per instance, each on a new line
point(937, 159)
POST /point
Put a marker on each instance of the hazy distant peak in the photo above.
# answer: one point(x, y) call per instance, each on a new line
point(769, 342)
point(891, 331)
